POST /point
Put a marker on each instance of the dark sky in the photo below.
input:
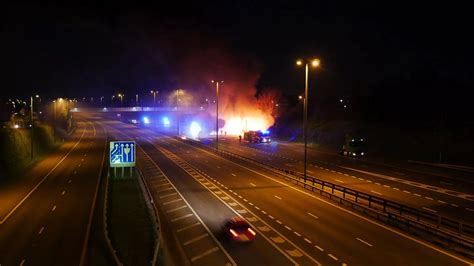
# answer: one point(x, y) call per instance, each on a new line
point(92, 50)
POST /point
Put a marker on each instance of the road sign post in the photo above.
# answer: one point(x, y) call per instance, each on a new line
point(122, 154)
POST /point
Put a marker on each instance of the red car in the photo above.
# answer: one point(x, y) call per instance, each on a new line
point(237, 229)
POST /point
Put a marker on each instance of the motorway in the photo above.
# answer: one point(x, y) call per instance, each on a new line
point(46, 217)
point(442, 191)
point(199, 190)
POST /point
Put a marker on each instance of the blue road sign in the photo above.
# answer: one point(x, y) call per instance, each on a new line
point(122, 153)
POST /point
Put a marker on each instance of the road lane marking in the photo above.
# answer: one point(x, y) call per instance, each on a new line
point(469, 209)
point(187, 227)
point(320, 248)
point(407, 191)
point(365, 242)
point(277, 197)
point(428, 209)
point(253, 185)
point(307, 240)
point(396, 188)
point(332, 256)
point(440, 201)
point(54, 208)
point(454, 205)
point(429, 198)
point(69, 181)
point(195, 239)
point(271, 217)
point(168, 195)
point(181, 217)
point(377, 183)
point(41, 230)
point(233, 174)
point(418, 195)
point(296, 233)
point(209, 251)
point(375, 192)
point(22, 262)
point(64, 192)
point(178, 208)
point(312, 215)
point(44, 178)
point(278, 221)
point(287, 227)
point(340, 181)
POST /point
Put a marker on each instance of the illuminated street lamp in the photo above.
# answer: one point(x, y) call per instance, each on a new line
point(121, 99)
point(217, 111)
point(154, 92)
point(314, 63)
point(32, 124)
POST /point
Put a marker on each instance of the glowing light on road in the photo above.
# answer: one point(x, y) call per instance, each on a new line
point(166, 121)
point(146, 120)
point(194, 129)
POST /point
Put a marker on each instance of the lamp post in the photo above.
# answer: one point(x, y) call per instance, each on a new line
point(314, 63)
point(32, 124)
point(121, 99)
point(101, 99)
point(177, 112)
point(154, 92)
point(217, 111)
point(112, 99)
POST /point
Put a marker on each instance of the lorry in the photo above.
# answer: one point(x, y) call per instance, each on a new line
point(353, 147)
point(257, 136)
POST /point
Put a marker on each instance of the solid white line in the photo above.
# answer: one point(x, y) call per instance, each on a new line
point(41, 230)
point(167, 195)
point(365, 242)
point(332, 256)
point(428, 209)
point(375, 192)
point(188, 227)
point(42, 180)
point(320, 248)
point(209, 251)
point(178, 208)
point(277, 197)
point(54, 208)
point(181, 217)
point(312, 215)
point(195, 239)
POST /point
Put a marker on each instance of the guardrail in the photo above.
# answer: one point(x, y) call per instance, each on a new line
point(104, 219)
point(388, 211)
point(155, 214)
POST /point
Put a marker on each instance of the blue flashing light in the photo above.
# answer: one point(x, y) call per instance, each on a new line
point(166, 121)
point(266, 131)
point(146, 120)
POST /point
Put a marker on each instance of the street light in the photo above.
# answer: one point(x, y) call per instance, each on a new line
point(314, 63)
point(154, 92)
point(217, 111)
point(112, 104)
point(121, 99)
point(177, 113)
point(32, 124)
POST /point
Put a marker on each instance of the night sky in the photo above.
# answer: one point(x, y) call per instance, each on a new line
point(390, 52)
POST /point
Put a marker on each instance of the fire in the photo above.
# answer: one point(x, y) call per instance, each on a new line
point(238, 125)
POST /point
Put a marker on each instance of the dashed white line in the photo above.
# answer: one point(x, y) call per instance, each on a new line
point(365, 242)
point(41, 230)
point(407, 191)
point(278, 221)
point(469, 209)
point(233, 174)
point(320, 248)
point(22, 262)
point(429, 198)
point(454, 205)
point(396, 188)
point(296, 233)
point(312, 215)
point(271, 217)
point(64, 192)
point(428, 209)
point(340, 181)
point(307, 240)
point(287, 227)
point(418, 195)
point(386, 186)
point(332, 256)
point(378, 183)
point(375, 192)
point(253, 185)
point(54, 208)
point(440, 201)
point(277, 197)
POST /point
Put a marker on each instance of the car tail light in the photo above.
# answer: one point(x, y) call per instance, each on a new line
point(233, 233)
point(251, 231)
